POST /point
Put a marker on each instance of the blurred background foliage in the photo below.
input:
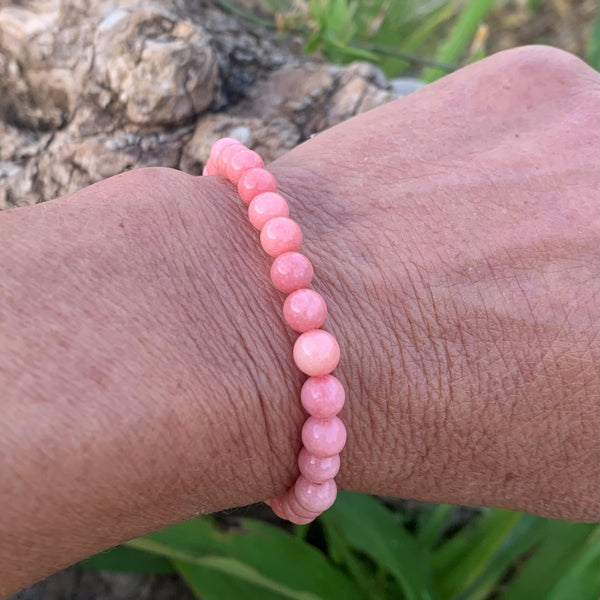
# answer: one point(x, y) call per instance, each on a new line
point(427, 38)
point(363, 548)
point(366, 547)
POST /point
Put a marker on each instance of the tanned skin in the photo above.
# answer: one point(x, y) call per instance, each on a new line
point(147, 374)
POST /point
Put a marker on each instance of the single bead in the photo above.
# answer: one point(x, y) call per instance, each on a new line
point(323, 437)
point(304, 310)
point(267, 206)
point(316, 469)
point(277, 507)
point(322, 397)
point(316, 352)
point(296, 520)
point(243, 161)
point(224, 157)
point(209, 168)
point(315, 497)
point(255, 182)
point(297, 508)
point(219, 146)
point(291, 271)
point(292, 515)
point(280, 235)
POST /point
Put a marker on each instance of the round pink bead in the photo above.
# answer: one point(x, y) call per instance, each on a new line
point(224, 157)
point(316, 352)
point(276, 505)
point(315, 497)
point(304, 310)
point(243, 161)
point(323, 397)
point(292, 515)
point(297, 508)
point(255, 182)
point(280, 235)
point(219, 146)
point(267, 206)
point(291, 271)
point(316, 469)
point(209, 168)
point(323, 437)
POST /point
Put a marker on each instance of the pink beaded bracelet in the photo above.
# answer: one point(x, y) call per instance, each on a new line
point(316, 352)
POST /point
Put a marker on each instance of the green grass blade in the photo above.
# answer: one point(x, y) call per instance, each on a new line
point(374, 531)
point(428, 27)
point(562, 546)
point(460, 36)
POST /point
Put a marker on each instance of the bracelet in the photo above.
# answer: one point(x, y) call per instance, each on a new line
point(316, 352)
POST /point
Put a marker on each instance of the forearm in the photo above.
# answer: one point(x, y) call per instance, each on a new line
point(127, 401)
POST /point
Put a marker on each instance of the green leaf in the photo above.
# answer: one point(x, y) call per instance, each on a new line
point(593, 45)
point(352, 52)
point(460, 36)
point(461, 560)
point(128, 560)
point(581, 580)
point(563, 545)
point(317, 10)
point(313, 43)
point(341, 553)
point(265, 553)
point(229, 567)
point(337, 14)
point(432, 524)
point(523, 537)
point(211, 584)
point(375, 531)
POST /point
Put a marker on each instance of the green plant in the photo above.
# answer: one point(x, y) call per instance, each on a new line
point(429, 39)
point(362, 548)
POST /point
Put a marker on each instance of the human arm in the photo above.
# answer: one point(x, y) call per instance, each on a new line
point(147, 372)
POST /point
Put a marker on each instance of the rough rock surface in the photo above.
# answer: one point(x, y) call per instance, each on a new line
point(88, 90)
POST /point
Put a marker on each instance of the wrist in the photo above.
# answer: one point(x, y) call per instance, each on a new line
point(455, 383)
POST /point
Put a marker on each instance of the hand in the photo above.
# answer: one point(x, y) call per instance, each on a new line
point(455, 235)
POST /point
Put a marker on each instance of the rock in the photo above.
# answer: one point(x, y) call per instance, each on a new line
point(161, 70)
point(403, 86)
point(269, 137)
point(88, 90)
